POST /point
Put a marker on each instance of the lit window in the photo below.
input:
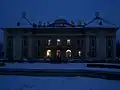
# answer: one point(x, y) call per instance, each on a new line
point(58, 41)
point(58, 53)
point(48, 54)
point(49, 42)
point(68, 41)
point(68, 53)
point(79, 53)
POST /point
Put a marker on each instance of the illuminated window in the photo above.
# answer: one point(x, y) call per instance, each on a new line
point(68, 53)
point(48, 54)
point(58, 53)
point(58, 41)
point(68, 41)
point(49, 42)
point(79, 53)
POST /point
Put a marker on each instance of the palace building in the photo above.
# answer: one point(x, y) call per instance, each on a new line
point(60, 39)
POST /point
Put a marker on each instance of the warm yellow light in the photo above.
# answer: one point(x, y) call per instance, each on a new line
point(48, 53)
point(68, 53)
point(58, 52)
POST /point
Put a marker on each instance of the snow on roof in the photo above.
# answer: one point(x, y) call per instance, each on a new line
point(59, 21)
point(99, 22)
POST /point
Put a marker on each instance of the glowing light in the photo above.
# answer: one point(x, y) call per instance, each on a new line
point(68, 53)
point(58, 53)
point(68, 41)
point(48, 53)
point(58, 40)
point(79, 53)
point(49, 42)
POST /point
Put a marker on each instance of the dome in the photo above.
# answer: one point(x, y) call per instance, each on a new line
point(60, 21)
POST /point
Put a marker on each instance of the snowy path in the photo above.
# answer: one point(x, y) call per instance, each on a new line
point(55, 66)
point(56, 83)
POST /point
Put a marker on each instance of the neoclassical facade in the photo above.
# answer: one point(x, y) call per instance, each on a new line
point(58, 40)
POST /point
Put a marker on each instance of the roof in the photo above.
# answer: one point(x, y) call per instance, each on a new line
point(60, 23)
point(99, 22)
point(96, 23)
point(60, 30)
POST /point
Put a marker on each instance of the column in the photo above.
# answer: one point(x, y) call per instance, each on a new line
point(5, 45)
point(102, 48)
point(17, 46)
point(98, 47)
point(30, 47)
point(114, 47)
point(87, 45)
point(41, 49)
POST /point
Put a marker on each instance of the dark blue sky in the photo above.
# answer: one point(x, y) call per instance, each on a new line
point(49, 10)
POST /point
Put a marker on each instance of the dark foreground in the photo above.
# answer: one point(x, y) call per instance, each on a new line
point(62, 72)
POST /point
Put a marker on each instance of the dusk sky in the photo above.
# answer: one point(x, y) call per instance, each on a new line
point(49, 10)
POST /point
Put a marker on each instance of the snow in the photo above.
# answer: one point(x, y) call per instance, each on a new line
point(44, 66)
point(56, 83)
point(96, 23)
point(55, 66)
point(106, 63)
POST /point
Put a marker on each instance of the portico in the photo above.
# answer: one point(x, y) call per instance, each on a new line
point(96, 43)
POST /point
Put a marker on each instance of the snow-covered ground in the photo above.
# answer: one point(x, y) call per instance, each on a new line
point(56, 83)
point(54, 66)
